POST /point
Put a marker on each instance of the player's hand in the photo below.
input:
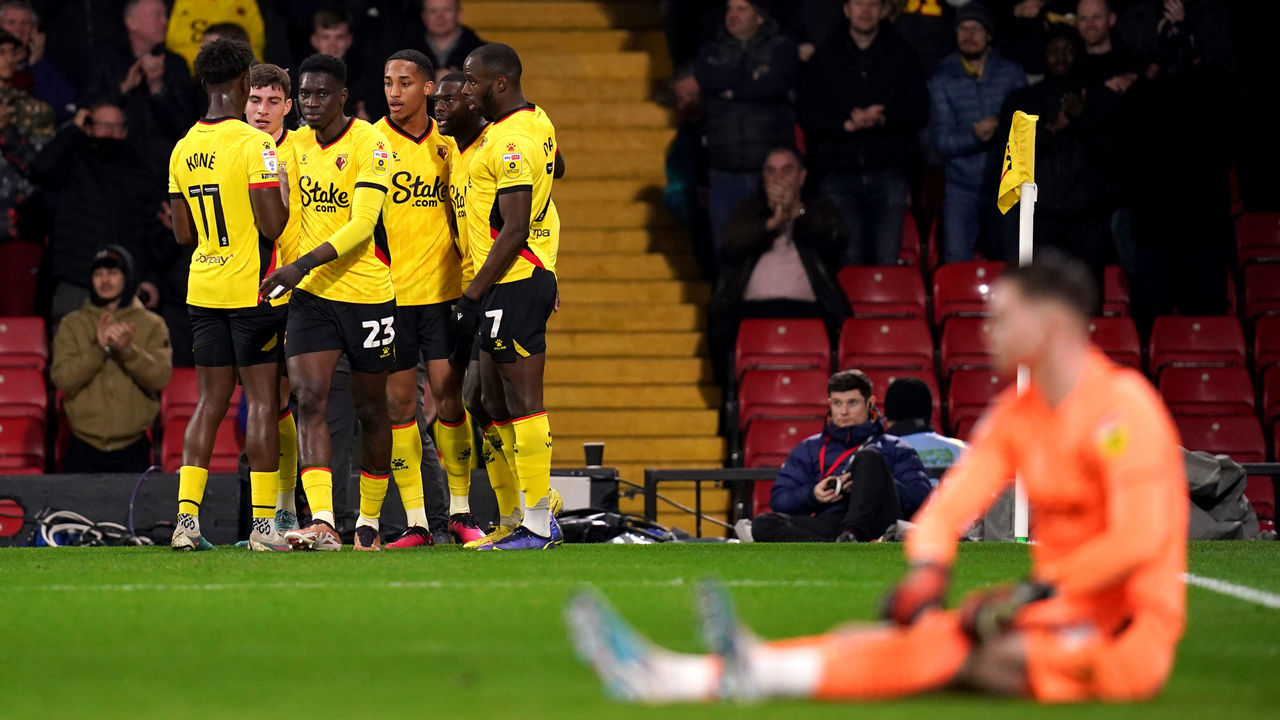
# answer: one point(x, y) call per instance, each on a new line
point(986, 615)
point(464, 321)
point(286, 278)
point(922, 589)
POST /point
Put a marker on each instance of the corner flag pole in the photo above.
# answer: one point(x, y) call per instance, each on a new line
point(1026, 243)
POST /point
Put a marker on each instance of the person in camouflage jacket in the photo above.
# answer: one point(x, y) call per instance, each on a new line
point(26, 124)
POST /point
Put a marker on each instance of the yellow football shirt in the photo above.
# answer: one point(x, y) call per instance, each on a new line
point(459, 177)
point(328, 175)
point(288, 162)
point(213, 168)
point(425, 266)
point(516, 152)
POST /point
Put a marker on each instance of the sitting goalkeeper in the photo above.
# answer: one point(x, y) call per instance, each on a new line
point(1100, 616)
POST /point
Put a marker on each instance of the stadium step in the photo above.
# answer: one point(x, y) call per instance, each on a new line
point(655, 292)
point(626, 371)
point(676, 396)
point(627, 351)
point(626, 317)
point(637, 266)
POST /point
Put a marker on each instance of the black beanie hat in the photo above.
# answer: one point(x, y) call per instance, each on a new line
point(975, 10)
point(908, 399)
point(114, 256)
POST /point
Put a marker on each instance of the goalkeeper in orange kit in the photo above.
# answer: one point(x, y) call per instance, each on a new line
point(1101, 614)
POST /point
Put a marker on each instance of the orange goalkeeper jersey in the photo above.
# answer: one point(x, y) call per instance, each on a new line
point(1106, 487)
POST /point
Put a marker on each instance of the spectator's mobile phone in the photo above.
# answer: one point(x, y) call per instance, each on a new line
point(839, 485)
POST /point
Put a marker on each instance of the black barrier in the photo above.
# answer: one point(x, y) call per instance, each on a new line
point(741, 482)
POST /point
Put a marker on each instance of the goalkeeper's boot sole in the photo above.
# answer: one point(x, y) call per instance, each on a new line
point(727, 637)
point(620, 656)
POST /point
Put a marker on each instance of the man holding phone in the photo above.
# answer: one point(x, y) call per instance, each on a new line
point(847, 483)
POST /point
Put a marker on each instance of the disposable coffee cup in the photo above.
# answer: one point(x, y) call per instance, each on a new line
point(594, 452)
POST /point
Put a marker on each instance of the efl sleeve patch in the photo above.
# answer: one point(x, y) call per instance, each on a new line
point(270, 163)
point(1113, 437)
point(511, 164)
point(381, 159)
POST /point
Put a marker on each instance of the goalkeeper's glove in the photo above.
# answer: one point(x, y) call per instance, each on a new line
point(922, 589)
point(989, 614)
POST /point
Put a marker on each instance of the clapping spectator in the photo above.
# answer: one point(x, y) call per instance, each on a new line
point(783, 252)
point(160, 96)
point(862, 102)
point(36, 73)
point(111, 358)
point(746, 76)
point(967, 94)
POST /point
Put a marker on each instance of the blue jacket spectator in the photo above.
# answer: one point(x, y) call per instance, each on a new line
point(821, 455)
point(746, 76)
point(966, 96)
point(908, 406)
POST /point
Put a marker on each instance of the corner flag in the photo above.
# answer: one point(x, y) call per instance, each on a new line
point(1019, 160)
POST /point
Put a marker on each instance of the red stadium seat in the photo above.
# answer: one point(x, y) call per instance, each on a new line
point(1258, 237)
point(882, 378)
point(970, 391)
point(21, 446)
point(1261, 290)
point(1271, 395)
point(767, 445)
point(964, 344)
point(1115, 298)
point(782, 394)
point(1196, 341)
point(1208, 391)
point(19, 276)
point(1118, 338)
point(1238, 436)
point(885, 343)
point(182, 393)
point(778, 344)
point(23, 394)
point(963, 289)
point(909, 254)
point(1266, 342)
point(226, 447)
point(884, 291)
point(22, 343)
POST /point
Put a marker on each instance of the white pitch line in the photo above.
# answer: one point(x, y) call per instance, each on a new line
point(1240, 592)
point(404, 585)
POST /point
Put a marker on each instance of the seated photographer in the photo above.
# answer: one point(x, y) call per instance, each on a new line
point(848, 483)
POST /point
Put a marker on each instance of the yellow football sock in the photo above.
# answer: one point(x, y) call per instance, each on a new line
point(262, 493)
point(373, 490)
point(454, 442)
point(317, 483)
point(406, 468)
point(504, 484)
point(507, 431)
point(191, 482)
point(288, 459)
point(533, 457)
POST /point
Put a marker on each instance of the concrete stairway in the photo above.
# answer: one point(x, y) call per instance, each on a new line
point(626, 353)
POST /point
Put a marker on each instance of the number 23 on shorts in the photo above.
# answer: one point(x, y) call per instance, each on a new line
point(381, 332)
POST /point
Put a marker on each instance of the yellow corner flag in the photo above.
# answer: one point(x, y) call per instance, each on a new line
point(1019, 160)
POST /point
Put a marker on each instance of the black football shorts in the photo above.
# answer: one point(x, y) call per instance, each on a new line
point(513, 316)
point(237, 336)
point(365, 332)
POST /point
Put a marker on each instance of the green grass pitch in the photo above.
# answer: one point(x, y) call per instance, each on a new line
point(441, 633)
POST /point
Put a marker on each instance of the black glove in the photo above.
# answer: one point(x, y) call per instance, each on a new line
point(989, 614)
point(924, 588)
point(465, 319)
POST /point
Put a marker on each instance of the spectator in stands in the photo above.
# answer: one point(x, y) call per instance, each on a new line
point(820, 496)
point(908, 406)
point(442, 35)
point(26, 124)
point(160, 96)
point(111, 193)
point(930, 28)
point(746, 75)
point(782, 253)
point(862, 103)
point(332, 35)
point(111, 358)
point(191, 20)
point(1073, 211)
point(36, 73)
point(1145, 23)
point(1176, 165)
point(966, 94)
point(1024, 29)
point(811, 23)
point(1107, 64)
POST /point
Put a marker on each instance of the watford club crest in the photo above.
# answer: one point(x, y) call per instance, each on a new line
point(341, 161)
point(443, 152)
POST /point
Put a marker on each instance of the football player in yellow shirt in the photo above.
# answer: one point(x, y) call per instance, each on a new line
point(513, 232)
point(270, 90)
point(226, 198)
point(427, 272)
point(343, 299)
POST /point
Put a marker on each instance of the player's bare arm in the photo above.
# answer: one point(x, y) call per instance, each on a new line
point(271, 208)
point(184, 226)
